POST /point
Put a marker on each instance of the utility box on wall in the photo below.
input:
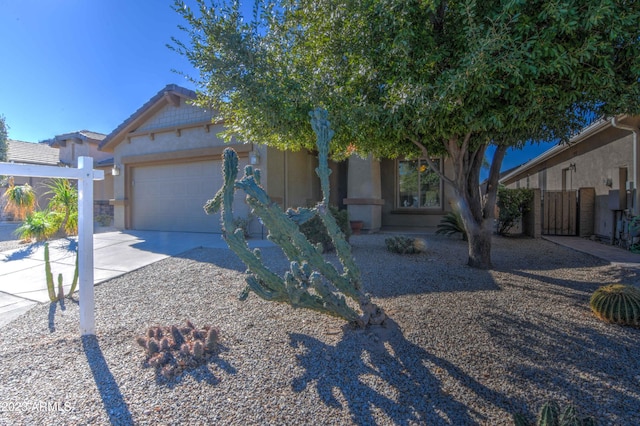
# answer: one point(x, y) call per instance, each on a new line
point(617, 199)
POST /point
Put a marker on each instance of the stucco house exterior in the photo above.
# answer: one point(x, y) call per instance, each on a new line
point(85, 143)
point(596, 176)
point(167, 163)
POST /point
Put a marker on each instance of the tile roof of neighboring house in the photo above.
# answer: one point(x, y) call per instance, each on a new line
point(80, 135)
point(32, 153)
point(128, 125)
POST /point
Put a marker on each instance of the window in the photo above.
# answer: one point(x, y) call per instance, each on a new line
point(419, 187)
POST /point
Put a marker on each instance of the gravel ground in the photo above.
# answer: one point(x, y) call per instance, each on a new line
point(462, 346)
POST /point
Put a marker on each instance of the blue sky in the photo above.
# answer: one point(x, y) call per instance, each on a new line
point(70, 65)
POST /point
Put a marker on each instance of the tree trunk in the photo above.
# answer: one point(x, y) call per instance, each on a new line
point(480, 248)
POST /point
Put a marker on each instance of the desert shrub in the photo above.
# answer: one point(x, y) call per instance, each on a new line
point(617, 303)
point(405, 245)
point(513, 203)
point(316, 232)
point(104, 219)
point(451, 224)
point(20, 200)
point(39, 226)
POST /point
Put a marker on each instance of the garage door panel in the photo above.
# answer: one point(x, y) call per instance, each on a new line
point(171, 197)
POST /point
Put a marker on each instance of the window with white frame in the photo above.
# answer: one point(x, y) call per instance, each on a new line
point(419, 187)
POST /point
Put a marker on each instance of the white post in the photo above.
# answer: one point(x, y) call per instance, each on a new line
point(85, 246)
point(85, 176)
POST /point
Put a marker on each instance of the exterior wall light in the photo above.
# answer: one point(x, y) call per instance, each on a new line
point(254, 158)
point(115, 171)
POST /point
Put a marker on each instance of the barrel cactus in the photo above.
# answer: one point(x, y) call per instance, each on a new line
point(618, 304)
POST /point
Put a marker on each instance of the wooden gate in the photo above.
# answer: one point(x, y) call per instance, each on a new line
point(559, 213)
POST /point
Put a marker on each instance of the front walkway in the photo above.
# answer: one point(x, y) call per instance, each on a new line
point(22, 271)
point(614, 255)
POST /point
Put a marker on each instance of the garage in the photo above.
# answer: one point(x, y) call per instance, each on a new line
point(170, 197)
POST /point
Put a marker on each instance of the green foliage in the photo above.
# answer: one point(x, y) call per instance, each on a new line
point(551, 414)
point(20, 200)
point(64, 200)
point(4, 147)
point(39, 225)
point(513, 204)
point(315, 231)
point(53, 297)
point(311, 282)
point(617, 303)
point(429, 78)
point(451, 224)
point(104, 219)
point(405, 245)
point(171, 350)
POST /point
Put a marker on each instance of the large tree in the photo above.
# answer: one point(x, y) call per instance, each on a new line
point(3, 139)
point(418, 78)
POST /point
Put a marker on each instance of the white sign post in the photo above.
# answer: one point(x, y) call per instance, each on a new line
point(85, 176)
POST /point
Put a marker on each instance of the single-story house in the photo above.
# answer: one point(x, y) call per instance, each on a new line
point(20, 152)
point(167, 164)
point(588, 184)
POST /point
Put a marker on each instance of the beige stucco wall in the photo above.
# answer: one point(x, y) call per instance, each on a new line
point(71, 150)
point(291, 179)
point(606, 157)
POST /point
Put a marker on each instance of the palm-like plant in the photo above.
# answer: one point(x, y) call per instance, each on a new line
point(20, 200)
point(64, 199)
point(451, 224)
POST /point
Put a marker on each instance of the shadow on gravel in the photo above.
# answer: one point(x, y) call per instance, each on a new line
point(378, 370)
point(201, 373)
point(52, 313)
point(594, 368)
point(112, 398)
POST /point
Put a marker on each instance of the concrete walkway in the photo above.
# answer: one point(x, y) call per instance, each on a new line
point(22, 271)
point(612, 254)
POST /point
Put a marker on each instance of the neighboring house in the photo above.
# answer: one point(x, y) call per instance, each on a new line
point(586, 185)
point(20, 152)
point(84, 143)
point(167, 158)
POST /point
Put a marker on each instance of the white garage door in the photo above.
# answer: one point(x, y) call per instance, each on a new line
point(171, 197)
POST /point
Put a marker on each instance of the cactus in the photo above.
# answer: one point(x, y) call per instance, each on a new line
point(617, 303)
point(311, 282)
point(551, 415)
point(53, 297)
point(548, 415)
point(405, 245)
point(171, 349)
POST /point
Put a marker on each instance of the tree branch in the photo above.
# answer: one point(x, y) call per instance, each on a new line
point(430, 162)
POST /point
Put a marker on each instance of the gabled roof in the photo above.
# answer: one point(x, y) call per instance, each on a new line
point(595, 127)
point(79, 136)
point(32, 153)
point(170, 94)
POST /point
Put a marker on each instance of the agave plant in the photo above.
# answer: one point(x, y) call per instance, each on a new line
point(20, 200)
point(451, 224)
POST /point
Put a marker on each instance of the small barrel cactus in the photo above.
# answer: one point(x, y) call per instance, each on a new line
point(617, 303)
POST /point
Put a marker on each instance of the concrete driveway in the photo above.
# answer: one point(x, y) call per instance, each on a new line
point(22, 271)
